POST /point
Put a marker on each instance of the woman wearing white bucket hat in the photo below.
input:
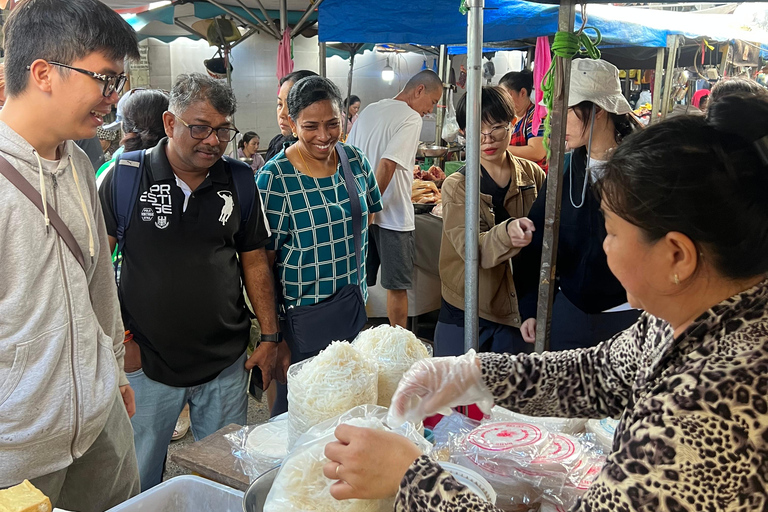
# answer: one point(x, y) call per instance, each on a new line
point(590, 305)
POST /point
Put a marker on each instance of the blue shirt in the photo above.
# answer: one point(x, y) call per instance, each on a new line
point(311, 223)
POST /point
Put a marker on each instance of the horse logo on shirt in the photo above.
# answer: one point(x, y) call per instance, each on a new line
point(229, 204)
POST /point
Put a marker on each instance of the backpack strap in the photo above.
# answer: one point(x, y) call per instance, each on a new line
point(245, 187)
point(125, 191)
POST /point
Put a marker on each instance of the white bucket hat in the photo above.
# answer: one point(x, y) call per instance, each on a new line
point(597, 81)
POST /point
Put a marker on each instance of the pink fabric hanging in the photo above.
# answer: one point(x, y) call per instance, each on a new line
point(284, 61)
point(541, 65)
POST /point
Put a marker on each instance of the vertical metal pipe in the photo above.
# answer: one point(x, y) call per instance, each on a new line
point(558, 115)
point(657, 81)
point(283, 16)
point(442, 71)
point(352, 51)
point(322, 57)
point(671, 58)
point(472, 213)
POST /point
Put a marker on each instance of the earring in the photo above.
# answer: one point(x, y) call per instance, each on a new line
point(677, 280)
point(294, 134)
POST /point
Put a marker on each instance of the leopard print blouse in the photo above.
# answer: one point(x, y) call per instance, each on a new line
point(693, 434)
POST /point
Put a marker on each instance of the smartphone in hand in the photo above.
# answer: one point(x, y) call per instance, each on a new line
point(256, 385)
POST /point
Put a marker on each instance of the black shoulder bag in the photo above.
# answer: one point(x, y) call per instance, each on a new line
point(342, 315)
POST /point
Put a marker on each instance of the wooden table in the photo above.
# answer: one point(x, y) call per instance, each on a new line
point(212, 458)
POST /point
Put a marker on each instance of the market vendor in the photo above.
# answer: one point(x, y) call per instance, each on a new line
point(508, 188)
point(525, 142)
point(687, 238)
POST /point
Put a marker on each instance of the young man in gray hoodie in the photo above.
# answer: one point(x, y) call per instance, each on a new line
point(64, 398)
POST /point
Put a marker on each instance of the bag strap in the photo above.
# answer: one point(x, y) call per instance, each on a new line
point(26, 188)
point(245, 187)
point(357, 211)
point(125, 191)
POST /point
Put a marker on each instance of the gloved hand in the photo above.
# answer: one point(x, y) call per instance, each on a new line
point(433, 386)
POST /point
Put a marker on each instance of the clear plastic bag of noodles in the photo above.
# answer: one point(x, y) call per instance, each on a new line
point(300, 485)
point(394, 350)
point(328, 385)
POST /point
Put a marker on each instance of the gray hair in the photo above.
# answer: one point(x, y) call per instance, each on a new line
point(193, 87)
point(310, 90)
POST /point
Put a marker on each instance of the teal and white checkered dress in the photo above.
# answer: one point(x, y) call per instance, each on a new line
point(311, 225)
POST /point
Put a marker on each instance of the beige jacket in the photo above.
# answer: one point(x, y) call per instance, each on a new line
point(497, 297)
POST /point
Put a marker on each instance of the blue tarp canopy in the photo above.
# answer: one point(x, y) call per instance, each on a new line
point(436, 22)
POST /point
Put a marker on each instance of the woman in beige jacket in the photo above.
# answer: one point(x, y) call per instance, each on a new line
point(508, 187)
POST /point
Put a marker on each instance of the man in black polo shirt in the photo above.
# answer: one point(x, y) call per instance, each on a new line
point(185, 259)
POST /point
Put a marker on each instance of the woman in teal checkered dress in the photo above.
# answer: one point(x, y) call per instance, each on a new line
point(307, 205)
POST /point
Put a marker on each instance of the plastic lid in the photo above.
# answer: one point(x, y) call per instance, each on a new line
point(507, 436)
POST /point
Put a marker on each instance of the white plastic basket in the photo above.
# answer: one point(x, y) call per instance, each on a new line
point(187, 493)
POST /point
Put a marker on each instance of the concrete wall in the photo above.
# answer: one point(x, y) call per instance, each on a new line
point(255, 83)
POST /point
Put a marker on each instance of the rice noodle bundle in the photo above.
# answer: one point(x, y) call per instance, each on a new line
point(327, 385)
point(300, 486)
point(395, 350)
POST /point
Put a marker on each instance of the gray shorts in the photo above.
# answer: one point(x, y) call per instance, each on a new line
point(394, 252)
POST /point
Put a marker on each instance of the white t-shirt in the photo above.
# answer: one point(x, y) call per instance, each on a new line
point(390, 129)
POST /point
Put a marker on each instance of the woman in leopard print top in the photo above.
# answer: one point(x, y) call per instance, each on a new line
point(687, 222)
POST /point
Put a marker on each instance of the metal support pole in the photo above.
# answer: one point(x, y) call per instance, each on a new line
point(657, 77)
point(298, 27)
point(270, 21)
point(234, 14)
point(472, 213)
point(283, 16)
point(442, 108)
point(558, 115)
point(268, 26)
point(352, 51)
point(186, 27)
point(671, 58)
point(322, 57)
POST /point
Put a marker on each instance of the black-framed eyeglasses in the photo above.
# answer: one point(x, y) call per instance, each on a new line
point(112, 83)
point(203, 131)
point(497, 133)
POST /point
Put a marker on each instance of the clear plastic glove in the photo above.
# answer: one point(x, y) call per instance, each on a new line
point(433, 386)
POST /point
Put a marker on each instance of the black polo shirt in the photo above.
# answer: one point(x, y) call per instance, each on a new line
point(180, 283)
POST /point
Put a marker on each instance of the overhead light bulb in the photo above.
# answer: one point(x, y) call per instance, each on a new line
point(387, 74)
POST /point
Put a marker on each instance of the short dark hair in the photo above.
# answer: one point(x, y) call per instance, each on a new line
point(703, 177)
point(247, 136)
point(729, 86)
point(296, 76)
point(194, 87)
point(310, 90)
point(495, 107)
point(142, 122)
point(62, 32)
point(428, 78)
point(518, 80)
point(351, 101)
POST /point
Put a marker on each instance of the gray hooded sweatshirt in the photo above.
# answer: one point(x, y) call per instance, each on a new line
point(61, 350)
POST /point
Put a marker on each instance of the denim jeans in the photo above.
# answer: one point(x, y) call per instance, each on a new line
point(212, 405)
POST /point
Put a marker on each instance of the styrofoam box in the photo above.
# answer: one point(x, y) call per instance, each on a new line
point(185, 493)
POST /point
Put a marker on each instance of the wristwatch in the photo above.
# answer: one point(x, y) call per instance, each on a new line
point(272, 338)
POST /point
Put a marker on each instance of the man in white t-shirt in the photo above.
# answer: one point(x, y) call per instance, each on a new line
point(388, 134)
